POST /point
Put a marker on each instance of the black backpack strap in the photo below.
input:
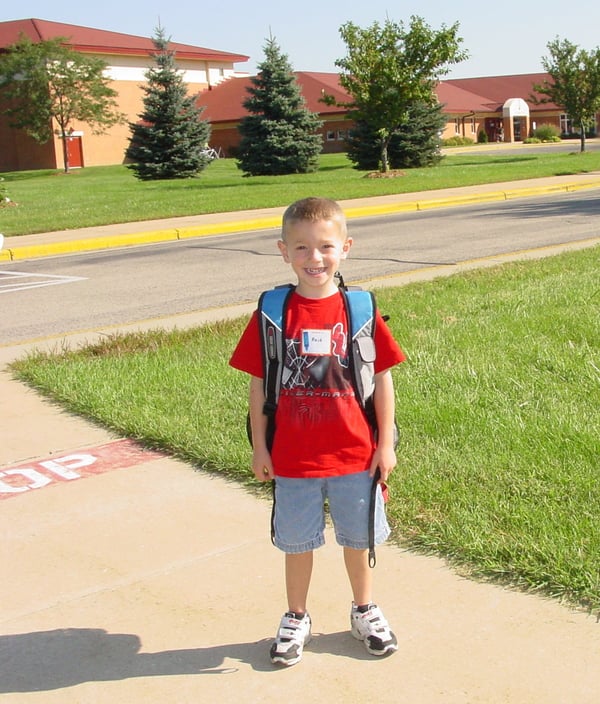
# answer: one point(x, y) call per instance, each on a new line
point(272, 308)
point(273, 511)
point(360, 310)
point(372, 504)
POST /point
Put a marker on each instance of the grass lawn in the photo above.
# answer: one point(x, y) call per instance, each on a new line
point(498, 405)
point(51, 200)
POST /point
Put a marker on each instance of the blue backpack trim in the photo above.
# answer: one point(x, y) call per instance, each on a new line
point(272, 307)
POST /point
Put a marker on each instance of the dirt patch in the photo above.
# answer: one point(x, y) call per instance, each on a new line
point(392, 173)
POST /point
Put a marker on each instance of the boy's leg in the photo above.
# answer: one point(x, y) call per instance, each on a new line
point(367, 622)
point(299, 525)
point(294, 628)
point(351, 523)
point(298, 571)
point(359, 574)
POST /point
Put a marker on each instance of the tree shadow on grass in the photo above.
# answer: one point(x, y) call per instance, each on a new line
point(474, 161)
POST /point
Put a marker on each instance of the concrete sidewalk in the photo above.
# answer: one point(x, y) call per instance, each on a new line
point(158, 583)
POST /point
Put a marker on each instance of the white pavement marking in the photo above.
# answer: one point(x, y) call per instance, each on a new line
point(117, 454)
point(12, 281)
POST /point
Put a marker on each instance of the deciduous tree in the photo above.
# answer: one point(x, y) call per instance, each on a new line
point(46, 82)
point(388, 69)
point(574, 83)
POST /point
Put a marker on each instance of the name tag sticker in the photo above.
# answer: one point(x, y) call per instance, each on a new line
point(316, 342)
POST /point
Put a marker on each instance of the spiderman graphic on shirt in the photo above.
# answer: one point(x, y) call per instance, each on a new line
point(323, 371)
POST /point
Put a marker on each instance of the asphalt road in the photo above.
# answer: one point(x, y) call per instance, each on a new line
point(571, 145)
point(61, 295)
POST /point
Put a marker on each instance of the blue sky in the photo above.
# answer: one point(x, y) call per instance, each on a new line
point(505, 37)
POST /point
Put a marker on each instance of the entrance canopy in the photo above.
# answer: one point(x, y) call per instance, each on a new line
point(515, 107)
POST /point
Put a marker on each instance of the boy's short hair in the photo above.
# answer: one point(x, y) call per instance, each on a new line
point(314, 209)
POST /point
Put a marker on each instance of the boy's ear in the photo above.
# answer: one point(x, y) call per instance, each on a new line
point(283, 249)
point(346, 247)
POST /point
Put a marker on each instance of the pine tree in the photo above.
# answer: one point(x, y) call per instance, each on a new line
point(170, 138)
point(414, 144)
point(417, 143)
point(279, 136)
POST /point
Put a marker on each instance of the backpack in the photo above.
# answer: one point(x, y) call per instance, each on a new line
point(360, 310)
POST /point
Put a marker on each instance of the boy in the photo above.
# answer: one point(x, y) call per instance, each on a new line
point(323, 446)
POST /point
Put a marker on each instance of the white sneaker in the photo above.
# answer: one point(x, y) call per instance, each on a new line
point(372, 628)
point(292, 636)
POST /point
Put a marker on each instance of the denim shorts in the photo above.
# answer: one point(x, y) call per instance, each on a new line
point(299, 514)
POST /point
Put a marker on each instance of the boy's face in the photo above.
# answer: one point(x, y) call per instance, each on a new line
point(315, 250)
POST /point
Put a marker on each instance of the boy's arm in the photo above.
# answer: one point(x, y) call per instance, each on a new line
point(261, 458)
point(384, 456)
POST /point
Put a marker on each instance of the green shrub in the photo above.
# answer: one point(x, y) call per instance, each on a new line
point(457, 141)
point(547, 133)
point(482, 137)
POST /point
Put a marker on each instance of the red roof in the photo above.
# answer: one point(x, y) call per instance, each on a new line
point(99, 41)
point(459, 96)
point(223, 102)
point(316, 85)
point(459, 101)
point(496, 90)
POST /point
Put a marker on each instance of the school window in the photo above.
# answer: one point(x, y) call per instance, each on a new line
point(565, 124)
point(472, 121)
point(331, 135)
point(341, 135)
point(456, 125)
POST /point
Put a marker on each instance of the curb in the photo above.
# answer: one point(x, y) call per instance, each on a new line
point(171, 234)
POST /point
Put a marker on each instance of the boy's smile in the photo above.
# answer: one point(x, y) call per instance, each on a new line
point(315, 250)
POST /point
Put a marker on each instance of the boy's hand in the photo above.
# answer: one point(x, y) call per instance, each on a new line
point(262, 465)
point(384, 458)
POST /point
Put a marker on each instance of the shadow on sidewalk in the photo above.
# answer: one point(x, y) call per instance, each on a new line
point(48, 660)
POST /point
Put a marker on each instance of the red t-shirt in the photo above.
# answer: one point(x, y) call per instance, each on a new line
point(321, 429)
